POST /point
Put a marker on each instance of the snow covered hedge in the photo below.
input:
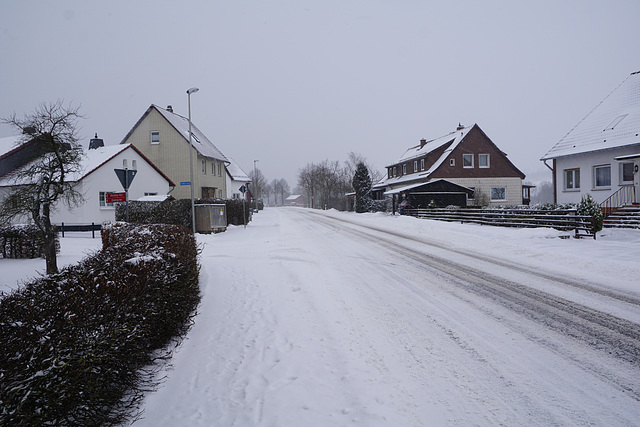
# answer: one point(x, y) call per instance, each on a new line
point(18, 242)
point(178, 211)
point(81, 347)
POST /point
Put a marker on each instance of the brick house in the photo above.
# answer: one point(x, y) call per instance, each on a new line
point(466, 160)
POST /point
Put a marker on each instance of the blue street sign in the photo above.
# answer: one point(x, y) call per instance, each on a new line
point(185, 183)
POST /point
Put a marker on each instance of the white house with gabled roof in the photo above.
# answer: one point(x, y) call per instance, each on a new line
point(96, 178)
point(600, 155)
point(236, 178)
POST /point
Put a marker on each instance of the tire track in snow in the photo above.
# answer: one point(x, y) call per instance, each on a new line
point(601, 331)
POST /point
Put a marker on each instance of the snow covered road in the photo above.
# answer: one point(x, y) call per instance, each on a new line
point(313, 318)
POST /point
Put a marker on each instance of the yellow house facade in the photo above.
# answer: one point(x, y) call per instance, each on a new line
point(163, 137)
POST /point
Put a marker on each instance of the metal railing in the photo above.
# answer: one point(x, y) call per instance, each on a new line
point(564, 220)
point(626, 195)
point(80, 227)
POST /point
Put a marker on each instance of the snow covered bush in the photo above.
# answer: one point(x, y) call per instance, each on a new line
point(22, 242)
point(82, 346)
point(589, 207)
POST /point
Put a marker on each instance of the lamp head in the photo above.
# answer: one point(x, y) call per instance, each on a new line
point(192, 90)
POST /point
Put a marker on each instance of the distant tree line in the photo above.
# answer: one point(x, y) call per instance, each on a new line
point(326, 184)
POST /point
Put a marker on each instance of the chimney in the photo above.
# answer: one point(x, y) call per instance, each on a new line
point(96, 143)
point(423, 142)
point(460, 126)
point(170, 108)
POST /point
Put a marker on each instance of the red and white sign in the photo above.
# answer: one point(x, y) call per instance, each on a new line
point(116, 197)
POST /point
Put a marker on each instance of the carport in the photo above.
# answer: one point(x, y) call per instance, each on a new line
point(439, 193)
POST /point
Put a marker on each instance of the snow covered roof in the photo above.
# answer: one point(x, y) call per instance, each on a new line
point(418, 184)
point(453, 139)
point(156, 198)
point(235, 172)
point(8, 143)
point(613, 123)
point(293, 197)
point(93, 160)
point(200, 141)
point(181, 124)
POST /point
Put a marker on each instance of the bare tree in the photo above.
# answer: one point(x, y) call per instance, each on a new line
point(258, 183)
point(43, 181)
point(284, 190)
point(275, 187)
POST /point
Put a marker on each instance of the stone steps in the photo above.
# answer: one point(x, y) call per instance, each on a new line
point(624, 217)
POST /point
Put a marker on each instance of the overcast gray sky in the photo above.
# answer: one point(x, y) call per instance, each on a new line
point(289, 82)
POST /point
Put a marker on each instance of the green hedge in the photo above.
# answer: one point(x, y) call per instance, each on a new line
point(83, 346)
point(19, 242)
point(178, 211)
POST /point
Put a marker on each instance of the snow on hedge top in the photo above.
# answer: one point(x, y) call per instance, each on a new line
point(613, 123)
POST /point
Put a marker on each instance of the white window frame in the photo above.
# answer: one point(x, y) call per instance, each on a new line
point(480, 157)
point(504, 190)
point(466, 157)
point(102, 199)
point(575, 179)
point(622, 180)
point(204, 167)
point(421, 164)
point(404, 169)
point(452, 162)
point(394, 171)
point(415, 166)
point(599, 185)
point(154, 141)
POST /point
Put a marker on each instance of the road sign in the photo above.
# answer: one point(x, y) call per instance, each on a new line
point(185, 183)
point(116, 197)
point(126, 176)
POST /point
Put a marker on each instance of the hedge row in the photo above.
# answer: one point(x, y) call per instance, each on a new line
point(19, 242)
point(179, 211)
point(83, 346)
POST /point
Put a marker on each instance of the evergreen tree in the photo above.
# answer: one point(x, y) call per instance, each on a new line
point(362, 186)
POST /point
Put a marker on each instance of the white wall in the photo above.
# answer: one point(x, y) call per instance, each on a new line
point(105, 179)
point(586, 163)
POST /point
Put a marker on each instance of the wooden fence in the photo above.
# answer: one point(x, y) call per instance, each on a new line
point(565, 220)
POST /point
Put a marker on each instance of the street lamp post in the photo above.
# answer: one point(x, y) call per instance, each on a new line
point(255, 184)
point(191, 183)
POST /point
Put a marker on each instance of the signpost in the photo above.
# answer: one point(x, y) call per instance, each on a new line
point(116, 197)
point(126, 176)
point(243, 189)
